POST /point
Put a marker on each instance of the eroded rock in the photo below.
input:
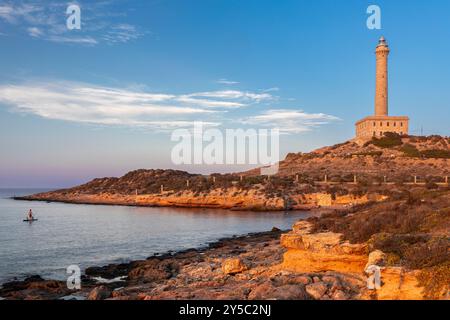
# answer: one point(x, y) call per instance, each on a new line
point(292, 241)
point(233, 266)
point(267, 291)
point(99, 293)
point(339, 295)
point(316, 290)
point(154, 270)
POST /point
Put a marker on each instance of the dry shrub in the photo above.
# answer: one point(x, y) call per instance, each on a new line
point(421, 212)
point(396, 244)
point(435, 281)
point(431, 253)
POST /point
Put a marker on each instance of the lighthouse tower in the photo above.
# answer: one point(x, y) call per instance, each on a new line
point(381, 123)
point(381, 88)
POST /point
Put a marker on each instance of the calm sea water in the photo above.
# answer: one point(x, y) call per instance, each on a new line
point(88, 235)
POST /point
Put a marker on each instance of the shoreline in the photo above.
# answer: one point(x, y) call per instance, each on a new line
point(174, 205)
point(22, 279)
point(112, 274)
point(319, 259)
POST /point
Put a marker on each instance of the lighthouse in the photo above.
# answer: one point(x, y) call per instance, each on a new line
point(381, 122)
point(381, 86)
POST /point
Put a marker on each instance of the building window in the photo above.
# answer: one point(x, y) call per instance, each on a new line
point(395, 124)
point(401, 124)
point(374, 124)
point(388, 124)
point(381, 124)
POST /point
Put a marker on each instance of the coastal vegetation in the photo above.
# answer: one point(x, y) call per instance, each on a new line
point(413, 230)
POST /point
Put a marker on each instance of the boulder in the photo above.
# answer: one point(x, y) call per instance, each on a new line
point(302, 227)
point(325, 242)
point(292, 241)
point(233, 266)
point(286, 279)
point(316, 290)
point(267, 291)
point(47, 285)
point(99, 293)
point(339, 295)
point(154, 270)
point(357, 248)
point(302, 280)
point(304, 261)
point(34, 288)
point(329, 279)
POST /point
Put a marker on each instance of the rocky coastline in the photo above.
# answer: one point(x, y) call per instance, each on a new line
point(385, 204)
point(156, 268)
point(230, 199)
point(337, 176)
point(284, 265)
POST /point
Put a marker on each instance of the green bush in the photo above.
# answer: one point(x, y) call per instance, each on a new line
point(410, 151)
point(389, 140)
point(436, 153)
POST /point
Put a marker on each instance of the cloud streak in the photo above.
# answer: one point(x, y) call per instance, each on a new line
point(47, 21)
point(35, 32)
point(85, 103)
point(234, 94)
point(290, 121)
point(97, 105)
point(108, 106)
point(226, 82)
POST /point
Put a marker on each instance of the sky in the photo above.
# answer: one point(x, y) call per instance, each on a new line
point(105, 99)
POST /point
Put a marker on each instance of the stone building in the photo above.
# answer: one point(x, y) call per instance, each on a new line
point(380, 123)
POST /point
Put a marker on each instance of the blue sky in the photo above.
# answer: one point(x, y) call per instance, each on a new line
point(100, 101)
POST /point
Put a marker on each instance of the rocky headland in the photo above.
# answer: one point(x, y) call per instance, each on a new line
point(341, 175)
point(385, 203)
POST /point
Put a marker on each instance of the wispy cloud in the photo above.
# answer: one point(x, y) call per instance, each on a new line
point(273, 89)
point(136, 107)
point(97, 105)
point(6, 13)
point(85, 103)
point(14, 13)
point(290, 121)
point(47, 21)
point(208, 103)
point(226, 82)
point(122, 33)
point(80, 40)
point(234, 94)
point(35, 32)
point(224, 99)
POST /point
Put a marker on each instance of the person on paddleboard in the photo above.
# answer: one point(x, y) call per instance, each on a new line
point(30, 215)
